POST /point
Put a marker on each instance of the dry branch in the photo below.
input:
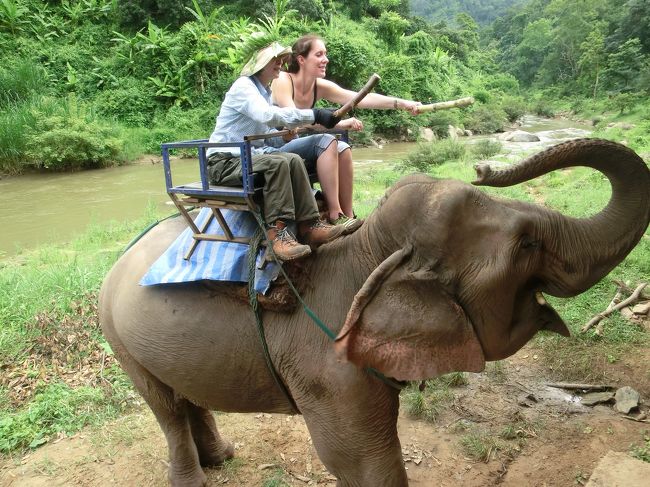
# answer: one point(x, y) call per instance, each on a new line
point(374, 79)
point(574, 386)
point(615, 300)
point(633, 298)
point(444, 105)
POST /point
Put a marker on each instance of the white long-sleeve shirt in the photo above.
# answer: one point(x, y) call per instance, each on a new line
point(247, 110)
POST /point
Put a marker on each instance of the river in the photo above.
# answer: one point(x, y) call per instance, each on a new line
point(51, 208)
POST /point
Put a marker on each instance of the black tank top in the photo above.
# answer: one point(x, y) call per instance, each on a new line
point(313, 103)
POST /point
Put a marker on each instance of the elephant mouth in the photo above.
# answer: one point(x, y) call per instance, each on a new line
point(531, 313)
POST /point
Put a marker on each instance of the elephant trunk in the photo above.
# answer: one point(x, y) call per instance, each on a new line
point(609, 235)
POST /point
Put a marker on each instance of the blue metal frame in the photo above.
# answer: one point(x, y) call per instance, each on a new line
point(202, 145)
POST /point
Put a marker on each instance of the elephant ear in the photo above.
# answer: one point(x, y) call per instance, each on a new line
point(405, 325)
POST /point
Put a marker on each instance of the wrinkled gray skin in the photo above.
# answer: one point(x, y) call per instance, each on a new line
point(440, 277)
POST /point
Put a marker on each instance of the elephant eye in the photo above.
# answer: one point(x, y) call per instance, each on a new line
point(530, 243)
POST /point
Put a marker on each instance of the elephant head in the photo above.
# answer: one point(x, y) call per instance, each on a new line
point(460, 275)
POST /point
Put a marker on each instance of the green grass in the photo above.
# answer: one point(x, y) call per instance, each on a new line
point(277, 478)
point(642, 451)
point(49, 336)
point(57, 408)
point(481, 446)
point(436, 396)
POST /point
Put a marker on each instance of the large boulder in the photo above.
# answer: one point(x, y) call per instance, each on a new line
point(519, 136)
point(427, 134)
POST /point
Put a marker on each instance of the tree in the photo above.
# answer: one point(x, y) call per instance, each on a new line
point(624, 65)
point(532, 50)
point(593, 58)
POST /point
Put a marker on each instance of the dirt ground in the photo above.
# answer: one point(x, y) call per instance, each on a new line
point(552, 440)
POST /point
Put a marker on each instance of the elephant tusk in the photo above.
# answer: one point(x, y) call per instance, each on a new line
point(541, 300)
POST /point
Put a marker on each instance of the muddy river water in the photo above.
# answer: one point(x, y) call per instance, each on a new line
point(49, 208)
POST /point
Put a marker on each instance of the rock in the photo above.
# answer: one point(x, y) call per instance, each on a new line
point(594, 398)
point(451, 130)
point(427, 134)
point(626, 313)
point(519, 136)
point(626, 399)
point(620, 125)
point(642, 308)
point(468, 133)
point(527, 400)
point(618, 469)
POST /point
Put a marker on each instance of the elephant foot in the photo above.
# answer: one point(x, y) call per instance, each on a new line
point(196, 478)
point(215, 455)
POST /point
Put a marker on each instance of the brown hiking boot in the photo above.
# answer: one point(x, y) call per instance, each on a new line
point(317, 232)
point(284, 244)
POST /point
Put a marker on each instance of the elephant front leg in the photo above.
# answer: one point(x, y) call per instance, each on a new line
point(358, 442)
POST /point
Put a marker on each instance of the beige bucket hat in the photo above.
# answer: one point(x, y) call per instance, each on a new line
point(263, 56)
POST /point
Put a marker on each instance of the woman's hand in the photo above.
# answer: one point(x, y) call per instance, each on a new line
point(290, 136)
point(410, 106)
point(351, 123)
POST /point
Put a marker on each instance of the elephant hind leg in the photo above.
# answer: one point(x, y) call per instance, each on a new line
point(173, 415)
point(212, 449)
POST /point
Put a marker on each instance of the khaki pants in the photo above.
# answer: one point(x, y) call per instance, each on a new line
point(287, 192)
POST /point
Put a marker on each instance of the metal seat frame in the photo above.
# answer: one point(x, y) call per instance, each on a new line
point(202, 194)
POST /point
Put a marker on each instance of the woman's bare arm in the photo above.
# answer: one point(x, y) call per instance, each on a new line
point(332, 92)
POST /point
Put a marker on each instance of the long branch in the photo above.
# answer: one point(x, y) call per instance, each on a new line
point(622, 304)
point(444, 105)
point(372, 81)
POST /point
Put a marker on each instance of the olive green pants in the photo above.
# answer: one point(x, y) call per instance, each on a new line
point(287, 192)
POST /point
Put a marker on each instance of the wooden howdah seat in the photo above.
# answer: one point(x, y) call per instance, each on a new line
point(202, 194)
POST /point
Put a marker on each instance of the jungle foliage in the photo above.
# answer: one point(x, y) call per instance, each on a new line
point(87, 83)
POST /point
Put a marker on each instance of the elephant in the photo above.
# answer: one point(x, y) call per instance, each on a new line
point(440, 277)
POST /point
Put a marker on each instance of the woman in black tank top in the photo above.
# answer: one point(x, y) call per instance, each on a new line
point(302, 86)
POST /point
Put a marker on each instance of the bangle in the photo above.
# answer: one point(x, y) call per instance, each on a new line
point(395, 103)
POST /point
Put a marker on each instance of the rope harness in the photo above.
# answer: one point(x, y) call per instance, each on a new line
point(254, 246)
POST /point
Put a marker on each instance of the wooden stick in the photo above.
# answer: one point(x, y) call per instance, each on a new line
point(370, 84)
point(622, 304)
point(615, 300)
point(444, 105)
point(628, 289)
point(586, 387)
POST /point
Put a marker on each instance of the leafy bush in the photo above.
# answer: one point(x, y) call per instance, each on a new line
point(151, 139)
point(543, 109)
point(133, 102)
point(350, 61)
point(439, 122)
point(486, 119)
point(514, 108)
point(432, 154)
point(486, 148)
point(61, 143)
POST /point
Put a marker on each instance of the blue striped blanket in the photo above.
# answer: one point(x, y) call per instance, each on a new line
point(217, 261)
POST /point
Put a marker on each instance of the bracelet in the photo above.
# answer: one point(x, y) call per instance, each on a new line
point(395, 103)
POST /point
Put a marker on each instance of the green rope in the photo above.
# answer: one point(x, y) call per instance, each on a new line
point(330, 334)
point(255, 242)
point(146, 230)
